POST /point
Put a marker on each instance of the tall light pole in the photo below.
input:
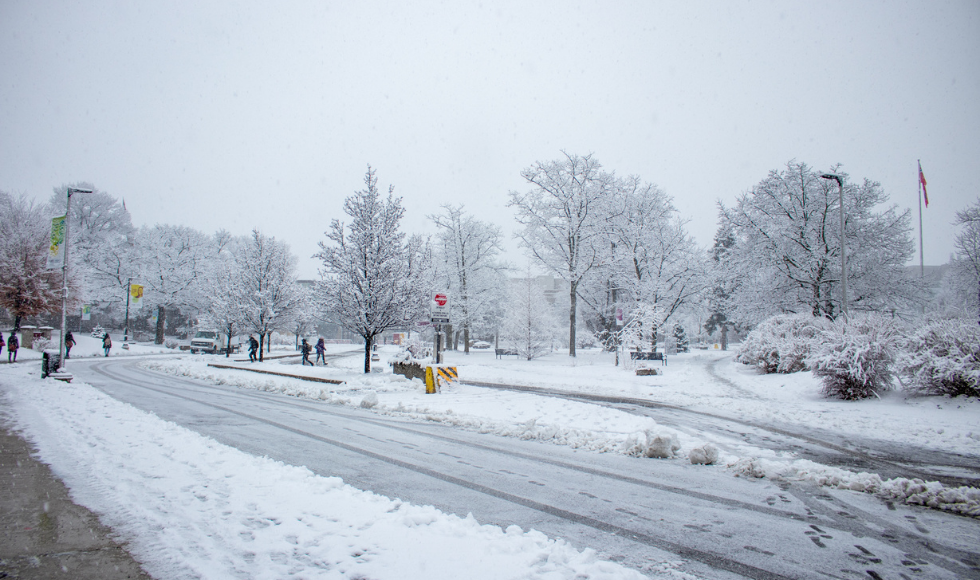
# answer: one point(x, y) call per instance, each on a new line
point(843, 258)
point(64, 273)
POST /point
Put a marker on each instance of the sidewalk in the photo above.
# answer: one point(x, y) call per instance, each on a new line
point(43, 534)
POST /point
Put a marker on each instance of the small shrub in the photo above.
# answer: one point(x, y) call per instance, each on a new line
point(41, 344)
point(171, 343)
point(857, 358)
point(782, 343)
point(944, 359)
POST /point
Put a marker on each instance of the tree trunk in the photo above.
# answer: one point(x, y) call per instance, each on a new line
point(261, 342)
point(161, 323)
point(466, 339)
point(724, 337)
point(368, 343)
point(449, 337)
point(572, 297)
point(16, 323)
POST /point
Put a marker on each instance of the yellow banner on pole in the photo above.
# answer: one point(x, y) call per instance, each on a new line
point(56, 251)
point(135, 294)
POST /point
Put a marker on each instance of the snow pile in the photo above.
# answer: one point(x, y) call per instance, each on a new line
point(707, 454)
point(961, 500)
point(189, 507)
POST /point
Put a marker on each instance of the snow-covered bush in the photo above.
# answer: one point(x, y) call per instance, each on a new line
point(944, 359)
point(857, 357)
point(41, 344)
point(171, 343)
point(782, 343)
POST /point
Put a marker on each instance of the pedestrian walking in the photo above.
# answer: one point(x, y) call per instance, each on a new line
point(12, 345)
point(321, 351)
point(106, 343)
point(69, 342)
point(253, 345)
point(2, 343)
point(306, 353)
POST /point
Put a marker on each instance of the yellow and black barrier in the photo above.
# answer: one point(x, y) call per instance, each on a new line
point(437, 375)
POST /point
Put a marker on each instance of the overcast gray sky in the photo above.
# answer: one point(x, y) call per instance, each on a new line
point(265, 114)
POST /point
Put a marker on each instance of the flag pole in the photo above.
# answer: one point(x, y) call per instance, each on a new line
point(922, 266)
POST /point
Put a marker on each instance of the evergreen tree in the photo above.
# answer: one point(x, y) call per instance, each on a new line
point(680, 338)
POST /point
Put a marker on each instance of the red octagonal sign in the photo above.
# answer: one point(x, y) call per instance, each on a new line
point(441, 299)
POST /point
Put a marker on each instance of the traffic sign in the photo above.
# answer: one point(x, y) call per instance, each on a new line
point(439, 308)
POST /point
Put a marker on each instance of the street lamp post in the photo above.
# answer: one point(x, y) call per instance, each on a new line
point(843, 258)
point(64, 272)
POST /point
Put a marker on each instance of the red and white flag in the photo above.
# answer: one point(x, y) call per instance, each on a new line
point(922, 180)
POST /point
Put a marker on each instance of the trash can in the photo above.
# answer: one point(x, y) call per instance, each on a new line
point(50, 362)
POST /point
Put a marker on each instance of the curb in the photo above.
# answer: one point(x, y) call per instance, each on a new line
point(300, 377)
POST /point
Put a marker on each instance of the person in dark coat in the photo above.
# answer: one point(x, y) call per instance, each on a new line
point(305, 347)
point(253, 345)
point(12, 345)
point(69, 342)
point(2, 343)
point(106, 343)
point(321, 351)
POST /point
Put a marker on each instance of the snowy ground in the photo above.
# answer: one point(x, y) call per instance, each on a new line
point(203, 501)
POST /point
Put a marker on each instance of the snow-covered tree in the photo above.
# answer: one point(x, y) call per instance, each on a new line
point(787, 247)
point(653, 260)
point(968, 246)
point(563, 219)
point(529, 325)
point(172, 260)
point(221, 286)
point(305, 315)
point(467, 250)
point(102, 243)
point(267, 292)
point(372, 280)
point(640, 328)
point(27, 287)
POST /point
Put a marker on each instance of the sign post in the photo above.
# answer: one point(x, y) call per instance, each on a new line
point(439, 315)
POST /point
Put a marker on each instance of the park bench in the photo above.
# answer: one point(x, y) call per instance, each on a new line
point(502, 351)
point(660, 356)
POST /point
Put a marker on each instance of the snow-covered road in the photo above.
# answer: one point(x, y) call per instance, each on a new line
point(642, 513)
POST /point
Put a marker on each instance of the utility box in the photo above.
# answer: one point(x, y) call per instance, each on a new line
point(50, 363)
